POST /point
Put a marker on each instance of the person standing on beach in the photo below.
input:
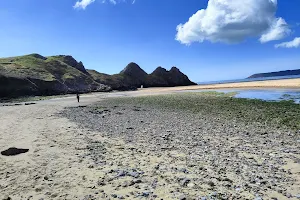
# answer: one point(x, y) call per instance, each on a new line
point(77, 96)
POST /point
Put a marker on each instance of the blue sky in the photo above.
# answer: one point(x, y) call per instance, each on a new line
point(219, 42)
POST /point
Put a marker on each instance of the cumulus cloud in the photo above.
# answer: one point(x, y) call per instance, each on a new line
point(292, 44)
point(277, 31)
point(232, 21)
point(83, 4)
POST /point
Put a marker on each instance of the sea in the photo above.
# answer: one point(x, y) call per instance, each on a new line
point(248, 80)
point(270, 94)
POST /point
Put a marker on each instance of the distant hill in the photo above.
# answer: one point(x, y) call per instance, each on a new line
point(38, 75)
point(279, 73)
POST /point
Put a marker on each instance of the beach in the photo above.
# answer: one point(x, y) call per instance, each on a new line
point(283, 83)
point(145, 145)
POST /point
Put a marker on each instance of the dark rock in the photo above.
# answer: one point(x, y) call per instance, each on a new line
point(26, 104)
point(184, 182)
point(163, 78)
point(13, 151)
point(182, 197)
point(132, 77)
point(146, 194)
point(135, 72)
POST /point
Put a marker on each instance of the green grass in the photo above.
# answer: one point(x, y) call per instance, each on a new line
point(278, 114)
point(32, 66)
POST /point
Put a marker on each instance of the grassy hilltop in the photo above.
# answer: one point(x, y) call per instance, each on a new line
point(37, 75)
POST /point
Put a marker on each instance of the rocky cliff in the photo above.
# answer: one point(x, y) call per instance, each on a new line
point(160, 77)
point(133, 76)
point(37, 75)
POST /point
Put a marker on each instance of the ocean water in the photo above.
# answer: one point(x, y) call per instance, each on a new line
point(248, 80)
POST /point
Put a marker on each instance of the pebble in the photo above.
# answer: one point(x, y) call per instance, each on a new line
point(192, 149)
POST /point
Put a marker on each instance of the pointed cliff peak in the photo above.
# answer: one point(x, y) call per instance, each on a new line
point(159, 70)
point(134, 70)
point(175, 69)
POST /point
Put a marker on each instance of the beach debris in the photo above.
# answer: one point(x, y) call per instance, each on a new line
point(13, 151)
point(26, 104)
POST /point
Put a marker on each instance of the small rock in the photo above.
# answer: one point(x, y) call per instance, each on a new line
point(288, 195)
point(146, 194)
point(137, 181)
point(121, 173)
point(211, 184)
point(133, 174)
point(184, 182)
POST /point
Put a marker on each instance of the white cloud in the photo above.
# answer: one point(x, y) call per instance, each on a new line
point(83, 4)
point(292, 44)
point(113, 2)
point(233, 21)
point(276, 32)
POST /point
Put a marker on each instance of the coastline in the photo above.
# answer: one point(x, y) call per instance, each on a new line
point(281, 84)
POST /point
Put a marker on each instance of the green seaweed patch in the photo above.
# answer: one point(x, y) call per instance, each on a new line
point(285, 114)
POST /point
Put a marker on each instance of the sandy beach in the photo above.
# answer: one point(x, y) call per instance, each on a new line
point(284, 83)
point(109, 148)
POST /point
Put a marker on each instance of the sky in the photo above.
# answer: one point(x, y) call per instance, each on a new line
point(208, 40)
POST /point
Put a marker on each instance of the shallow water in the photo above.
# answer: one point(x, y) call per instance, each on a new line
point(249, 80)
point(271, 94)
point(262, 94)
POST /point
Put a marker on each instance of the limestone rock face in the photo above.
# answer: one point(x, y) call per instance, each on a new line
point(132, 77)
point(160, 77)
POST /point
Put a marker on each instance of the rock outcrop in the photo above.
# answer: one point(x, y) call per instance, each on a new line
point(160, 77)
point(133, 77)
point(37, 75)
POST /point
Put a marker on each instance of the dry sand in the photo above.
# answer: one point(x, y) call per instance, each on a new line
point(56, 166)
